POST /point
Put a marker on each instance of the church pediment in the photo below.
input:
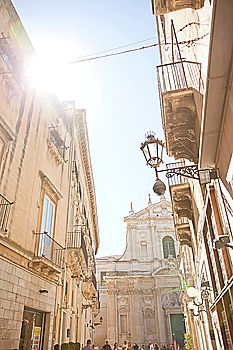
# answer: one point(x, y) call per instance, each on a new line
point(160, 209)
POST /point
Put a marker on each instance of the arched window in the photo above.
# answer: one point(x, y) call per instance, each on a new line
point(168, 247)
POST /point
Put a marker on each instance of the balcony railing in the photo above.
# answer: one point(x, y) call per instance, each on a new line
point(180, 221)
point(55, 138)
point(176, 179)
point(75, 240)
point(50, 249)
point(93, 279)
point(5, 207)
point(179, 75)
point(10, 60)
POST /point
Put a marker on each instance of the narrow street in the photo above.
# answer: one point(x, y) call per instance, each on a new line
point(116, 175)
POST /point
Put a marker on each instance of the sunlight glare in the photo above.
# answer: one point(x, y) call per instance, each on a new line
point(52, 74)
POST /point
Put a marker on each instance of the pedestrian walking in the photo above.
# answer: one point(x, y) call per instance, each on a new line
point(88, 346)
point(107, 346)
point(125, 346)
point(150, 346)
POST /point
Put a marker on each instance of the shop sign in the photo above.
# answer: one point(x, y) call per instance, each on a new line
point(36, 338)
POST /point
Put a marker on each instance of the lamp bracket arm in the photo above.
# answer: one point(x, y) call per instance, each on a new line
point(190, 171)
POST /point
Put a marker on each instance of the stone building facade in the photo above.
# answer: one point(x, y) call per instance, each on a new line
point(48, 219)
point(196, 95)
point(139, 290)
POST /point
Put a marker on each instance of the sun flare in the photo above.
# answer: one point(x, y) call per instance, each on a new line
point(54, 74)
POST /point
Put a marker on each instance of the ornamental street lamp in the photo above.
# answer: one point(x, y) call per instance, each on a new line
point(196, 304)
point(152, 150)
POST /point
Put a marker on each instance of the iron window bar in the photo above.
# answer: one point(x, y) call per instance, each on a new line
point(56, 139)
point(5, 206)
point(50, 249)
point(75, 240)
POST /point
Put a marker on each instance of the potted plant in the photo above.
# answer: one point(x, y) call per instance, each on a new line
point(189, 341)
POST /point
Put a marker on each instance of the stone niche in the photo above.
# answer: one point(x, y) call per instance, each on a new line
point(181, 123)
point(161, 7)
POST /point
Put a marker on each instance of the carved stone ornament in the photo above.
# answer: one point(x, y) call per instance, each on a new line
point(54, 152)
point(171, 299)
point(182, 200)
point(48, 187)
point(88, 290)
point(160, 7)
point(181, 125)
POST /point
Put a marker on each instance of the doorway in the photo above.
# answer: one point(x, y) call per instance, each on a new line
point(32, 330)
point(178, 328)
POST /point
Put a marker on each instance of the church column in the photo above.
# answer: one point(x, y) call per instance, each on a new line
point(161, 328)
point(112, 317)
point(136, 312)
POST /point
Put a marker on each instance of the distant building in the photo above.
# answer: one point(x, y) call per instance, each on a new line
point(48, 219)
point(139, 291)
point(196, 95)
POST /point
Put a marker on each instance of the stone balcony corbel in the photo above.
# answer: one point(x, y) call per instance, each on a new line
point(181, 124)
point(77, 252)
point(161, 7)
point(181, 104)
point(182, 200)
point(183, 231)
point(88, 290)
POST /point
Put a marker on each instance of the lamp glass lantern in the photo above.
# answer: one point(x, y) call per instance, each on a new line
point(192, 292)
point(152, 150)
point(204, 176)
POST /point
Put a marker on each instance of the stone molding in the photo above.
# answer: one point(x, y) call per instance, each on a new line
point(81, 130)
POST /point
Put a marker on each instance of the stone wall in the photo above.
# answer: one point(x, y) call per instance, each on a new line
point(19, 288)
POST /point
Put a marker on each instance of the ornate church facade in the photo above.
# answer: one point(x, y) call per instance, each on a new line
point(139, 290)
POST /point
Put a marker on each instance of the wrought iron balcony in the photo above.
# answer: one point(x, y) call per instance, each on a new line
point(12, 66)
point(5, 207)
point(160, 7)
point(181, 102)
point(48, 256)
point(180, 221)
point(76, 244)
point(56, 145)
point(179, 75)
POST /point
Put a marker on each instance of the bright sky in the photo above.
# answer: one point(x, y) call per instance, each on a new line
point(119, 93)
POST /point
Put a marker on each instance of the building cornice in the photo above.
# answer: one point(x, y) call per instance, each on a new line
point(82, 133)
